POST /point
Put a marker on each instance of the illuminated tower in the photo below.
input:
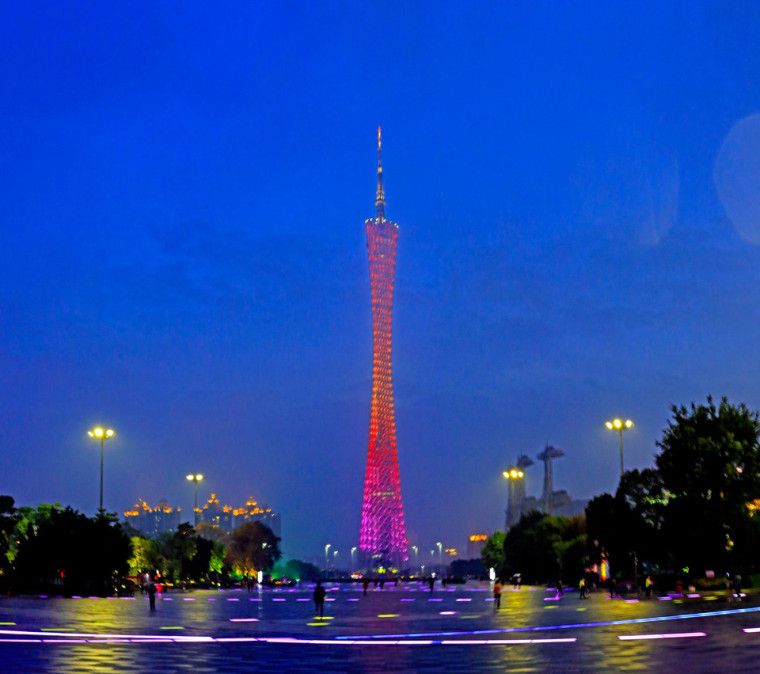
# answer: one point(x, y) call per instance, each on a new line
point(383, 534)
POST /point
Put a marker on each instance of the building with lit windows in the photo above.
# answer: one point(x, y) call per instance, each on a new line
point(475, 545)
point(153, 521)
point(162, 518)
point(253, 512)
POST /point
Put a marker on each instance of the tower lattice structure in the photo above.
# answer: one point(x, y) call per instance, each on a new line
point(383, 533)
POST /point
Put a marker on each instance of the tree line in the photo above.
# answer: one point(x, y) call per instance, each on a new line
point(59, 550)
point(692, 515)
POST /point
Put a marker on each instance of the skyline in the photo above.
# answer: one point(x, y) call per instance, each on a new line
point(184, 258)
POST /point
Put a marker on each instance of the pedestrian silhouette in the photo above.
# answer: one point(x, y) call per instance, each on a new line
point(583, 589)
point(319, 599)
point(152, 596)
point(366, 585)
point(497, 594)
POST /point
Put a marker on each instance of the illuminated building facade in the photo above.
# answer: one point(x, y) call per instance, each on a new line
point(228, 518)
point(475, 545)
point(215, 514)
point(253, 512)
point(153, 521)
point(383, 534)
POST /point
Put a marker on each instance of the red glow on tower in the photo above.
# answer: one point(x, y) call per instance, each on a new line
point(382, 530)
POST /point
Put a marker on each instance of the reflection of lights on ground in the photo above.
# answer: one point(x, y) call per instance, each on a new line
point(546, 628)
point(677, 635)
point(244, 620)
point(171, 627)
point(388, 615)
point(144, 639)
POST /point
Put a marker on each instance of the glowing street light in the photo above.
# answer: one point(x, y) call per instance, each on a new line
point(440, 552)
point(353, 552)
point(513, 511)
point(327, 550)
point(101, 434)
point(619, 425)
point(196, 479)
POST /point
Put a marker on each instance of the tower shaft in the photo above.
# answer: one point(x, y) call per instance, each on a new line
point(383, 533)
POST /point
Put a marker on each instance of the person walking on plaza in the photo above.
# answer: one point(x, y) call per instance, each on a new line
point(497, 594)
point(560, 590)
point(365, 583)
point(319, 599)
point(432, 583)
point(738, 587)
point(648, 586)
point(583, 589)
point(152, 595)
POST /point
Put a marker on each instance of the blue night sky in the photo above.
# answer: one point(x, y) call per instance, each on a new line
point(184, 188)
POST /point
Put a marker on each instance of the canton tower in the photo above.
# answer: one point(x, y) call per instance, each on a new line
point(383, 534)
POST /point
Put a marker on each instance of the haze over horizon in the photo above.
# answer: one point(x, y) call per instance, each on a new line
point(184, 253)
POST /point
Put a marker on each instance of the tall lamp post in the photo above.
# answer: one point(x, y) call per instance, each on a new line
point(353, 553)
point(101, 434)
point(327, 550)
point(619, 425)
point(512, 476)
point(196, 479)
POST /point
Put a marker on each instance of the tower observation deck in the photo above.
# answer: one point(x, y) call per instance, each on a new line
point(383, 533)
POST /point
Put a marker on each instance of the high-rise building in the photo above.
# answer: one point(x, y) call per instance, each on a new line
point(216, 514)
point(153, 521)
point(475, 545)
point(383, 534)
point(253, 512)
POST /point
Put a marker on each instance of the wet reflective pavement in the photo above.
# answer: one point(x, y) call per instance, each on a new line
point(396, 629)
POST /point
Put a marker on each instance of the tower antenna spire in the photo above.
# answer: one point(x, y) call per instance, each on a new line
point(380, 199)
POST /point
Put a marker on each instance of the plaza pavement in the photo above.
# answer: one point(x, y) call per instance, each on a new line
point(397, 629)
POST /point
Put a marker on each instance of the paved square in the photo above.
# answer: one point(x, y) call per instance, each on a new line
point(396, 629)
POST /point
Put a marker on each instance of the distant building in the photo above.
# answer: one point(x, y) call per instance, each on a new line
point(216, 515)
point(253, 512)
point(153, 521)
point(475, 545)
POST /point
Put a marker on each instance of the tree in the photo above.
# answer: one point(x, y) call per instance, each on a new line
point(146, 556)
point(545, 548)
point(178, 548)
point(493, 551)
point(8, 522)
point(630, 523)
point(253, 547)
point(74, 551)
point(709, 464)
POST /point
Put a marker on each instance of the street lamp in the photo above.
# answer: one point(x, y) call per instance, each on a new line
point(353, 552)
point(101, 434)
point(440, 553)
point(327, 549)
point(513, 475)
point(195, 478)
point(619, 425)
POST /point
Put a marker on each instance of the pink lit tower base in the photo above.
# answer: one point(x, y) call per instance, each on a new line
point(382, 538)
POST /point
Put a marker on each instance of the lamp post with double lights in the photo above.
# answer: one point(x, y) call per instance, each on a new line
point(101, 434)
point(196, 478)
point(619, 425)
point(514, 476)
